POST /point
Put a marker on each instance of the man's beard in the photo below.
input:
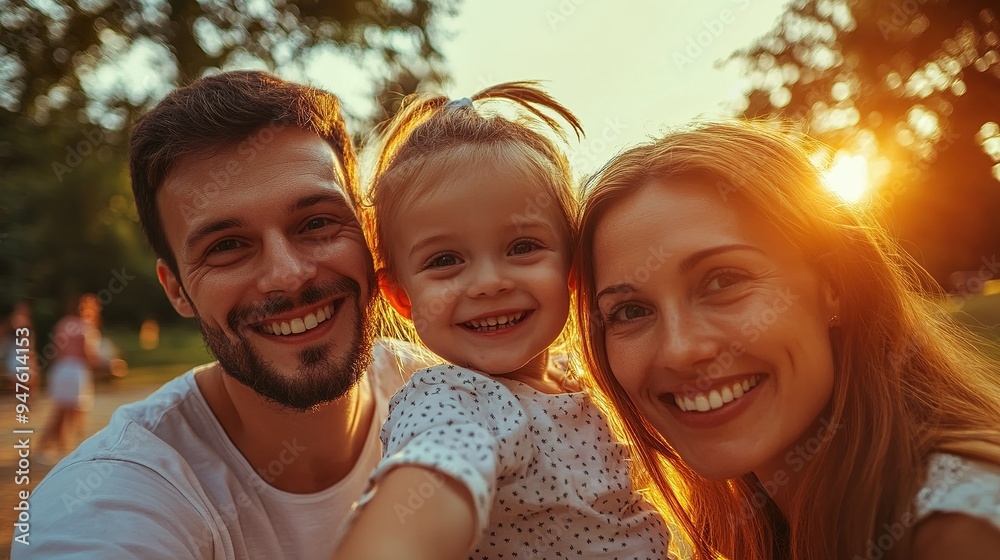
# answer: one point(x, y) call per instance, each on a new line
point(320, 378)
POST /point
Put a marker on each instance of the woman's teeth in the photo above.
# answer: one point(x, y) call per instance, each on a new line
point(299, 324)
point(495, 323)
point(716, 398)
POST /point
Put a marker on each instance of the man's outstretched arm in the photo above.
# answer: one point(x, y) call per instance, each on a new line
point(112, 510)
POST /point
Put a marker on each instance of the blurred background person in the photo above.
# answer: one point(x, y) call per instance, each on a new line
point(70, 379)
point(20, 318)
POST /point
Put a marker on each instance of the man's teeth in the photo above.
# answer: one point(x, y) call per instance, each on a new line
point(715, 399)
point(299, 324)
point(495, 323)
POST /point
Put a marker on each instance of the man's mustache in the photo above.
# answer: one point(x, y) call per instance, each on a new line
point(258, 311)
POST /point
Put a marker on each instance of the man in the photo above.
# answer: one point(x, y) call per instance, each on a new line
point(246, 189)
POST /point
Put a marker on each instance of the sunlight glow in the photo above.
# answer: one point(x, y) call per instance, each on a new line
point(847, 176)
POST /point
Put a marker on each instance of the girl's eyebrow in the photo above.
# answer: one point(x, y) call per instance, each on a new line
point(419, 245)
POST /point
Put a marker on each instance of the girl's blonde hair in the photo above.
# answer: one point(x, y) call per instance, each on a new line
point(909, 381)
point(433, 138)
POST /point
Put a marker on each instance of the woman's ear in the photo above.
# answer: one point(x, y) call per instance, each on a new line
point(394, 293)
point(573, 277)
point(831, 298)
point(175, 292)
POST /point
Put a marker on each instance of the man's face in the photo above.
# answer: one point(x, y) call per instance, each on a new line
point(272, 264)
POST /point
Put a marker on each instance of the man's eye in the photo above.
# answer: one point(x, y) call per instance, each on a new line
point(225, 245)
point(317, 223)
point(523, 247)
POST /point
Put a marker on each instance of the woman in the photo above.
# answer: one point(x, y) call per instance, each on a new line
point(784, 385)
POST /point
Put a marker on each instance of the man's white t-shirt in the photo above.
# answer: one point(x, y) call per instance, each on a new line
point(163, 480)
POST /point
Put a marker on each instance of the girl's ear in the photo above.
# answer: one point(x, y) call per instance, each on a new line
point(394, 293)
point(172, 287)
point(573, 277)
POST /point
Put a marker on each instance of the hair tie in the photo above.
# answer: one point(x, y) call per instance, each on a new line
point(458, 103)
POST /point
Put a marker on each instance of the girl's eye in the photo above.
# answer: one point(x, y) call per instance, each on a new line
point(225, 245)
point(627, 312)
point(524, 246)
point(724, 279)
point(442, 260)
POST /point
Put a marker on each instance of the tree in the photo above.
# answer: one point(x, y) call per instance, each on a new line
point(74, 75)
point(912, 85)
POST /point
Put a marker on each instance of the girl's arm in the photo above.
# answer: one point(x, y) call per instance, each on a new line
point(955, 535)
point(415, 513)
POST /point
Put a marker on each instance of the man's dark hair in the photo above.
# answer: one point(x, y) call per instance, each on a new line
point(220, 112)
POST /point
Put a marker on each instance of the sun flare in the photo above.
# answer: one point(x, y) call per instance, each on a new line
point(847, 176)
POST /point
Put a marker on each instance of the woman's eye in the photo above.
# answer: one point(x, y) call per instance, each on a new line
point(523, 247)
point(724, 280)
point(627, 312)
point(442, 260)
point(225, 245)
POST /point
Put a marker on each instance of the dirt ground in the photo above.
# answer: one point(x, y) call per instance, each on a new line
point(107, 399)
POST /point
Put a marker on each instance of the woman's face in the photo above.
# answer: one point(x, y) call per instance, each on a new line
point(716, 327)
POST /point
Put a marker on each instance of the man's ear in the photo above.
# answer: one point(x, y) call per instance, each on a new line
point(395, 294)
point(172, 287)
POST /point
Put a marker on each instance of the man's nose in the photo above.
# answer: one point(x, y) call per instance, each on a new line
point(283, 267)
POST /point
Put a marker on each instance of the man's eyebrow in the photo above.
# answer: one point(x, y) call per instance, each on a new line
point(693, 259)
point(210, 228)
point(314, 199)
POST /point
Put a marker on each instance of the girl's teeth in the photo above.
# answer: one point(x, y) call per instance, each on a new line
point(715, 399)
point(494, 323)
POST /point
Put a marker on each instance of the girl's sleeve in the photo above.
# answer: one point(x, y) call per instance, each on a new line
point(457, 423)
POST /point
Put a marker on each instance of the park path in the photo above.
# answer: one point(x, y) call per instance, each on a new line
point(107, 399)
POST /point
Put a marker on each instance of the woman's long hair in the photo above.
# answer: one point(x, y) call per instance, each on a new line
point(909, 381)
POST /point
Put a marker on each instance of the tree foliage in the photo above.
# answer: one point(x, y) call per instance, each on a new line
point(913, 85)
point(74, 75)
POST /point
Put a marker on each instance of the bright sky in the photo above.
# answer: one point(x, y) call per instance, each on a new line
point(628, 69)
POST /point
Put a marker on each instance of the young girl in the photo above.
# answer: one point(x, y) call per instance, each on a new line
point(492, 455)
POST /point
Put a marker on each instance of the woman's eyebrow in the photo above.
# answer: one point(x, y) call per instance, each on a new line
point(615, 289)
point(692, 260)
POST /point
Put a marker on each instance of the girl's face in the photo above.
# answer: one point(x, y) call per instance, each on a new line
point(717, 328)
point(484, 268)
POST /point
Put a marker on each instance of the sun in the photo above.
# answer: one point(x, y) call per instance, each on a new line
point(847, 176)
